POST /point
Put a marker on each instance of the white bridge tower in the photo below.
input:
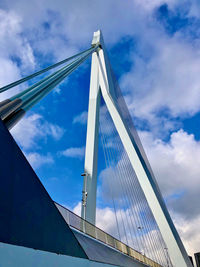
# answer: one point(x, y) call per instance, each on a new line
point(102, 85)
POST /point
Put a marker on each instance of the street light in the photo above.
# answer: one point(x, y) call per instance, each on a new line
point(84, 195)
point(166, 249)
point(140, 228)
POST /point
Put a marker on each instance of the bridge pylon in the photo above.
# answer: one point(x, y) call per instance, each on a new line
point(102, 85)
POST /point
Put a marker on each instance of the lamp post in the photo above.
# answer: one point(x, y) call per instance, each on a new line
point(140, 228)
point(167, 256)
point(84, 195)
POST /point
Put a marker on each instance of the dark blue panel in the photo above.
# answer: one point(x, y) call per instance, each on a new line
point(28, 216)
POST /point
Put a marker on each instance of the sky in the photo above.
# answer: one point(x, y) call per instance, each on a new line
point(154, 49)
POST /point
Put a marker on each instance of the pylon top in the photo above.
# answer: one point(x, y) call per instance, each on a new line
point(97, 38)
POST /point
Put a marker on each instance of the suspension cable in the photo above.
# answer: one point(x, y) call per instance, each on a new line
point(13, 84)
point(33, 95)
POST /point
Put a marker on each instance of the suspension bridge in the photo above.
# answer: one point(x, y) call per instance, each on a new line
point(36, 231)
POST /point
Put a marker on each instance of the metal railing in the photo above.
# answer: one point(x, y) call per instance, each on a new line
point(78, 223)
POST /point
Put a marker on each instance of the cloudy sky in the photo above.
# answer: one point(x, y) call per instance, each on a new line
point(154, 49)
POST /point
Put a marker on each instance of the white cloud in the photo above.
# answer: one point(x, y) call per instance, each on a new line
point(74, 152)
point(53, 130)
point(164, 76)
point(105, 219)
point(168, 80)
point(177, 172)
point(175, 164)
point(64, 27)
point(194, 9)
point(189, 232)
point(8, 73)
point(16, 53)
point(13, 43)
point(34, 127)
point(37, 160)
point(77, 209)
point(81, 118)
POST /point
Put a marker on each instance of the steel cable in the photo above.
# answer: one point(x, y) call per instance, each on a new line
point(11, 85)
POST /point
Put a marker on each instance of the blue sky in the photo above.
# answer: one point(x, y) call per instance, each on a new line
point(154, 49)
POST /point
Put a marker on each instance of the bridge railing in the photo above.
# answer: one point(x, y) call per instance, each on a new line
point(78, 223)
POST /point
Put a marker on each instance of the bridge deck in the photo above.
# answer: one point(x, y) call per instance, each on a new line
point(32, 230)
point(76, 222)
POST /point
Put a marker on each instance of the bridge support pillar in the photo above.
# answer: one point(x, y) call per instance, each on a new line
point(88, 211)
point(102, 84)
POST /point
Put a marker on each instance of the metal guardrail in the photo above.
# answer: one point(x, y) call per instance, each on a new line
point(78, 223)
